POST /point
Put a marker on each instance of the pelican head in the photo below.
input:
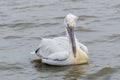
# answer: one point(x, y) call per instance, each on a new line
point(70, 22)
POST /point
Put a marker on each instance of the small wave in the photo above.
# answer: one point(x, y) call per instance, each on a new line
point(67, 9)
point(50, 36)
point(84, 17)
point(12, 37)
point(80, 29)
point(5, 67)
point(116, 6)
point(16, 24)
point(100, 40)
point(36, 38)
point(114, 18)
point(3, 15)
point(59, 18)
point(48, 24)
point(71, 0)
point(104, 73)
point(27, 7)
point(110, 38)
point(114, 38)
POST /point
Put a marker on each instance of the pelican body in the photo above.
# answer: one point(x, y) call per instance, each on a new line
point(63, 50)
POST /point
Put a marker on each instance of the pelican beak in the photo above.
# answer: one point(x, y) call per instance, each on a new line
point(70, 31)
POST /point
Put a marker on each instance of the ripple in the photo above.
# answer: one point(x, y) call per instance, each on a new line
point(3, 15)
point(5, 67)
point(104, 73)
point(76, 72)
point(50, 36)
point(67, 9)
point(72, 0)
point(43, 67)
point(84, 17)
point(36, 38)
point(49, 24)
point(59, 18)
point(12, 37)
point(100, 40)
point(114, 18)
point(107, 38)
point(17, 24)
point(80, 29)
point(113, 38)
point(116, 6)
point(27, 7)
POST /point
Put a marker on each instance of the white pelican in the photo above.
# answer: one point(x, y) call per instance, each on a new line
point(63, 50)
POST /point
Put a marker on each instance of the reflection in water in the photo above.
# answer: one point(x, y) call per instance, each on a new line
point(37, 64)
point(103, 74)
point(45, 67)
point(76, 71)
point(68, 72)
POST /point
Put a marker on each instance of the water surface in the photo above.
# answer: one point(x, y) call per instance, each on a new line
point(24, 22)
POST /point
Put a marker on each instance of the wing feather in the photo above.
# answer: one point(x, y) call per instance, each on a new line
point(49, 47)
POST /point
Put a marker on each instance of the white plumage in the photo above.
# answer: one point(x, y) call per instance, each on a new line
point(59, 51)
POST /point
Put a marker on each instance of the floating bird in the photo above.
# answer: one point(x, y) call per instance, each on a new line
point(63, 50)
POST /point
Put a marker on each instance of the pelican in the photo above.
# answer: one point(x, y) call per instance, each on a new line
point(63, 50)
